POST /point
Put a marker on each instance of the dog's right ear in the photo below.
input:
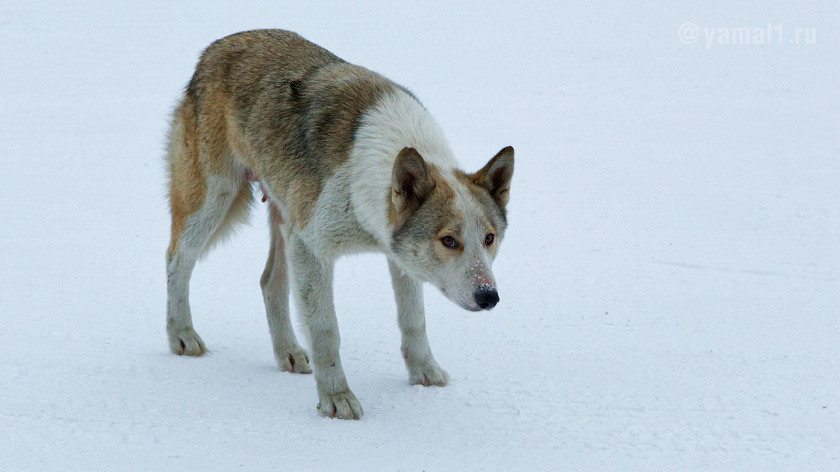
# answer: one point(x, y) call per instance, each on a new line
point(412, 183)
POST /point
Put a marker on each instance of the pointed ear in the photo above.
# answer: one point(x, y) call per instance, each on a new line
point(496, 175)
point(412, 183)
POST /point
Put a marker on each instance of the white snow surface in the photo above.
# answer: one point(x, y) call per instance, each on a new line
point(669, 279)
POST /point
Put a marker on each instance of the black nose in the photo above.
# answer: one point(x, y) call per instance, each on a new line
point(486, 299)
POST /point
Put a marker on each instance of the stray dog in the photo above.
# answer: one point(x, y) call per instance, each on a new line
point(349, 162)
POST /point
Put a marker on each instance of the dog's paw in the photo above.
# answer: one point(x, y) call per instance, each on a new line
point(343, 405)
point(293, 360)
point(186, 342)
point(428, 374)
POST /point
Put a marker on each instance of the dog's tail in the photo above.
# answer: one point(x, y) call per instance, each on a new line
point(188, 184)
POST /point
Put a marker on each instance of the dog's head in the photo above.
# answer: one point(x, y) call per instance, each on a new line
point(448, 225)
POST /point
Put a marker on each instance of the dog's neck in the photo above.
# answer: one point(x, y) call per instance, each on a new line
point(397, 121)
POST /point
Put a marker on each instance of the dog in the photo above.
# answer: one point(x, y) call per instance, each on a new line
point(349, 162)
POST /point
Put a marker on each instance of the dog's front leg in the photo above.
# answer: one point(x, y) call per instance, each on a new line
point(314, 296)
point(421, 364)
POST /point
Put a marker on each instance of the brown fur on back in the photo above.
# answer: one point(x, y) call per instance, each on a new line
point(276, 104)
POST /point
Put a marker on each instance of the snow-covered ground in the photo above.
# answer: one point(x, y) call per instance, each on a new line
point(669, 281)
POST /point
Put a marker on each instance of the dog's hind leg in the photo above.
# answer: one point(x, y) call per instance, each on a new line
point(421, 364)
point(186, 246)
point(203, 205)
point(275, 289)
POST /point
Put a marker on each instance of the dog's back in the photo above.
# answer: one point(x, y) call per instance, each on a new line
point(275, 104)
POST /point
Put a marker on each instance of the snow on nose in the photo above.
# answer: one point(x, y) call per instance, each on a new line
point(485, 283)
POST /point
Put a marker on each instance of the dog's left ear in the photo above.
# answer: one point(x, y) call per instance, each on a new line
point(496, 175)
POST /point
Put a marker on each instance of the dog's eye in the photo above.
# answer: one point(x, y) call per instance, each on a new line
point(488, 240)
point(449, 242)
